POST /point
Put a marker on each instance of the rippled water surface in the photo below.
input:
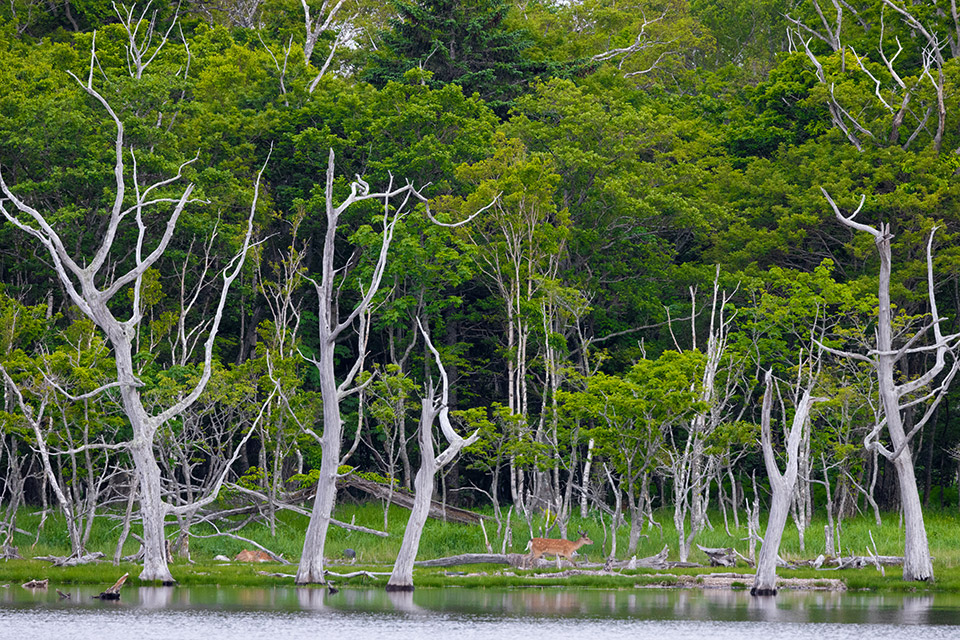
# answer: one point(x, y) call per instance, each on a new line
point(210, 613)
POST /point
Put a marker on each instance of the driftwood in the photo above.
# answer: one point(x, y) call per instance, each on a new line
point(512, 559)
point(36, 584)
point(438, 511)
point(275, 575)
point(860, 562)
point(71, 561)
point(8, 552)
point(353, 574)
point(113, 593)
point(720, 557)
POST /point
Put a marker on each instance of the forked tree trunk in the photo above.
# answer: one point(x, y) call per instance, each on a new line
point(781, 485)
point(330, 327)
point(401, 579)
point(898, 398)
point(93, 288)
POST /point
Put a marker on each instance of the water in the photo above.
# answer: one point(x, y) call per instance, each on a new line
point(232, 613)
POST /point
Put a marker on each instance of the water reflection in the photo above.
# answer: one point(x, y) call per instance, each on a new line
point(403, 601)
point(311, 599)
point(538, 606)
point(160, 597)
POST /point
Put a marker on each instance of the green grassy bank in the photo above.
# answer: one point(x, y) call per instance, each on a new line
point(442, 539)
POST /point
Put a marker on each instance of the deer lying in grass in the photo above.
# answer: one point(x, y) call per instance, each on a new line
point(559, 548)
point(253, 556)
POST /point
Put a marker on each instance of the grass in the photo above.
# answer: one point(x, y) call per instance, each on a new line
point(443, 539)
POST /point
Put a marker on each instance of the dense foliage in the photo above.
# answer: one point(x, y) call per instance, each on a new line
point(649, 177)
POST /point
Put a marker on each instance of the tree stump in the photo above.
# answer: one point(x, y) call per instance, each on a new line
point(113, 593)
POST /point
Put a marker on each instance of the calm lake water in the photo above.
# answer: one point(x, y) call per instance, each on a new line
point(232, 613)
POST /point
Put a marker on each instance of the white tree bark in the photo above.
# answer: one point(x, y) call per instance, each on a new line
point(311, 568)
point(781, 485)
point(897, 398)
point(94, 301)
point(401, 579)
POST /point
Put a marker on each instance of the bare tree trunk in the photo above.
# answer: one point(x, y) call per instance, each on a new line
point(311, 568)
point(781, 485)
point(401, 579)
point(585, 480)
point(898, 398)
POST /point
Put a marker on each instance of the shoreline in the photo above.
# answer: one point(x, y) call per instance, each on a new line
point(18, 572)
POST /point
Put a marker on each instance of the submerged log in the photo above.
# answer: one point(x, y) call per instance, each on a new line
point(438, 511)
point(36, 584)
point(113, 593)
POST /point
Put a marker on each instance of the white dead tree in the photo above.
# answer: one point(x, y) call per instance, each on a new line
point(142, 34)
point(900, 93)
point(79, 277)
point(432, 408)
point(314, 25)
point(643, 43)
point(830, 34)
point(690, 465)
point(781, 484)
point(924, 390)
point(77, 496)
point(395, 204)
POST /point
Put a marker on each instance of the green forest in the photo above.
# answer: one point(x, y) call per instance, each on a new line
point(544, 259)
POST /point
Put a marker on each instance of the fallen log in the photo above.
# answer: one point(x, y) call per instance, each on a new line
point(290, 507)
point(8, 552)
point(353, 574)
point(438, 511)
point(523, 560)
point(275, 575)
point(512, 559)
point(113, 593)
point(71, 561)
point(861, 562)
point(658, 561)
point(720, 557)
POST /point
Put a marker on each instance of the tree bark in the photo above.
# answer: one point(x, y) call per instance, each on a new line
point(401, 579)
point(781, 485)
point(330, 327)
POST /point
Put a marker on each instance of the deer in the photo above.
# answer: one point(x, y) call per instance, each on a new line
point(559, 548)
point(253, 556)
